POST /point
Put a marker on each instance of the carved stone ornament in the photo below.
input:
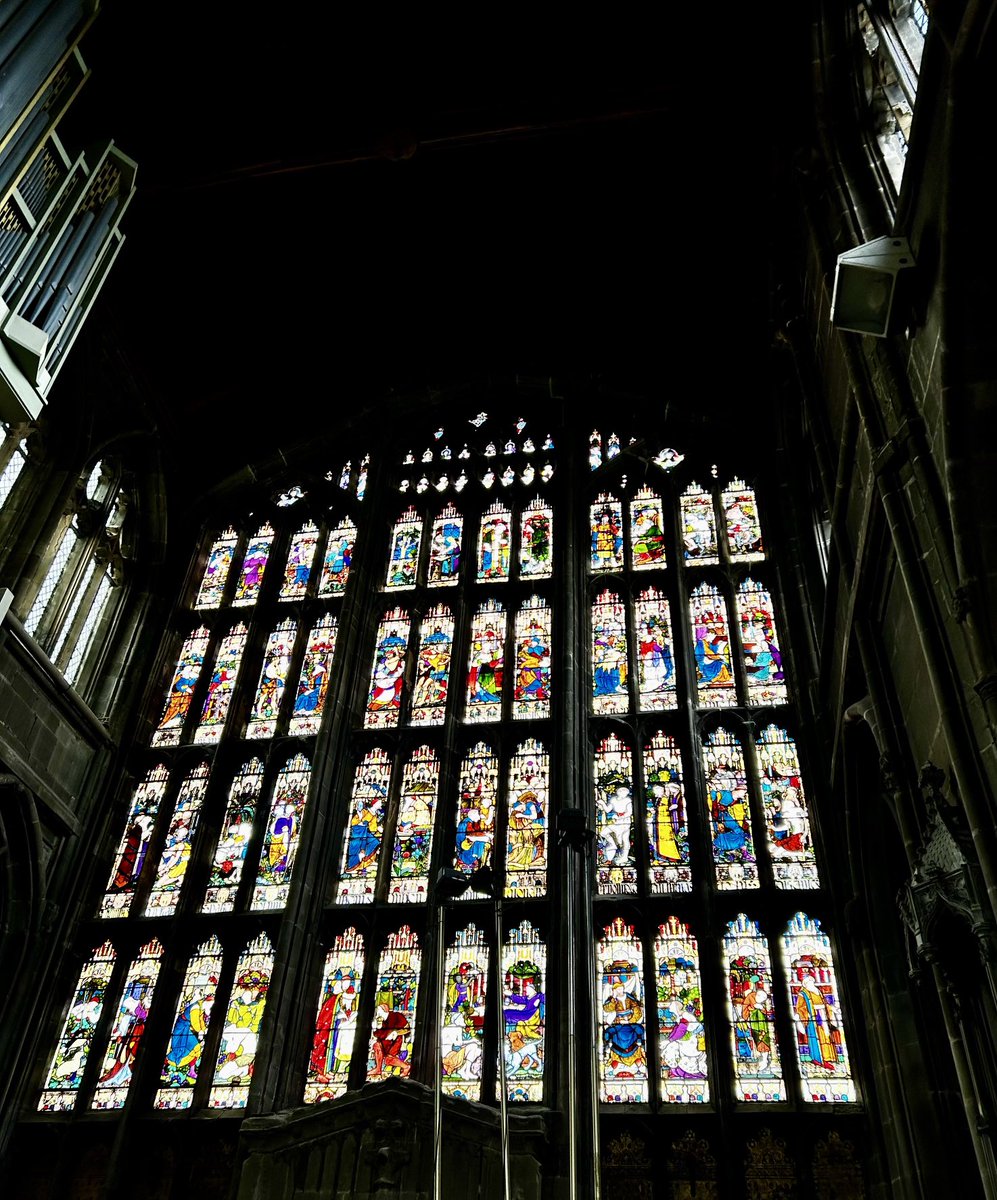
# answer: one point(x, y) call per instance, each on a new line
point(693, 1169)
point(769, 1173)
point(626, 1169)
point(837, 1173)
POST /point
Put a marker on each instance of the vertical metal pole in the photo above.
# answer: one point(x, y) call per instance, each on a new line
point(438, 1058)
point(503, 1093)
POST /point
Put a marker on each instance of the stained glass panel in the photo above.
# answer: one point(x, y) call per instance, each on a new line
point(393, 1029)
point(365, 829)
point(300, 557)
point(165, 892)
point(241, 1031)
point(134, 845)
point(336, 1020)
point(237, 830)
point(536, 540)
point(711, 645)
point(730, 817)
point(531, 697)
point(247, 589)
point(595, 450)
point(432, 671)
point(744, 531)
point(414, 828)
point(757, 1070)
point(404, 559)
point(606, 521)
point(493, 544)
point(181, 690)
point(760, 642)
point(338, 558)
point(73, 1048)
point(699, 527)
point(280, 841)
point(209, 594)
point(462, 1019)
point(667, 818)
point(681, 1035)
point(128, 1028)
point(616, 872)
point(524, 1004)
point(622, 1023)
point(785, 806)
point(486, 661)
point(529, 805)
point(190, 1027)
point(647, 537)
point(476, 809)
point(656, 682)
point(444, 548)
point(221, 686)
point(387, 674)
point(273, 680)
point(610, 669)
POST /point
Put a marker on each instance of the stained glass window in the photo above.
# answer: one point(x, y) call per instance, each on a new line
point(476, 809)
point(338, 559)
point(531, 697)
point(336, 1020)
point(595, 450)
point(656, 681)
point(387, 674)
point(241, 1032)
point(209, 594)
point(181, 690)
point(272, 681)
point(247, 589)
point(280, 840)
point(729, 809)
point(610, 693)
point(536, 540)
point(524, 1012)
point(760, 642)
point(129, 859)
point(127, 1028)
point(623, 1074)
point(444, 548)
point(406, 537)
point(173, 861)
point(462, 1017)
point(715, 684)
point(414, 827)
point(699, 527)
point(233, 842)
point(397, 991)
point(493, 544)
point(527, 832)
point(365, 829)
point(785, 806)
point(616, 872)
point(667, 817)
point(65, 1072)
point(221, 686)
point(755, 1049)
point(744, 532)
point(681, 1035)
point(606, 521)
point(486, 661)
point(300, 556)
point(313, 682)
point(647, 538)
point(432, 671)
point(190, 1027)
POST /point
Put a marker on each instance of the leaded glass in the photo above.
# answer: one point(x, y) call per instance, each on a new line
point(715, 684)
point(129, 859)
point(536, 538)
point(79, 593)
point(760, 642)
point(336, 1019)
point(647, 538)
point(300, 557)
point(128, 1028)
point(190, 1027)
point(667, 817)
point(813, 998)
point(475, 833)
point(462, 1016)
point(247, 589)
point(493, 544)
point(699, 527)
point(338, 558)
point(610, 669)
point(681, 1036)
point(84, 639)
point(620, 1004)
point(444, 547)
point(656, 681)
point(414, 827)
point(65, 1072)
point(272, 681)
point(209, 594)
point(313, 682)
point(785, 806)
point(280, 841)
point(165, 891)
point(606, 524)
point(221, 686)
point(387, 674)
point(595, 450)
point(393, 1029)
point(531, 697)
point(365, 829)
point(744, 532)
point(432, 670)
point(241, 1031)
point(362, 477)
point(486, 661)
point(233, 842)
point(529, 806)
point(730, 816)
point(52, 578)
point(403, 563)
point(524, 1003)
point(616, 872)
point(181, 690)
point(757, 1070)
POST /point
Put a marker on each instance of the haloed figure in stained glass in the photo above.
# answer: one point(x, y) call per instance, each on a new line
point(190, 1028)
point(524, 1019)
point(680, 1015)
point(335, 1027)
point(623, 1033)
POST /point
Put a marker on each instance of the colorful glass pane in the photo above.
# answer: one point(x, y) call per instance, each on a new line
point(221, 686)
point(444, 548)
point(536, 540)
point(667, 818)
point(785, 806)
point(300, 557)
point(414, 828)
point(237, 830)
point(393, 1029)
point(616, 872)
point(165, 891)
point(622, 1023)
point(813, 998)
point(365, 829)
point(476, 809)
point(595, 450)
point(744, 531)
point(493, 544)
point(432, 670)
point(313, 682)
point(760, 643)
point(387, 673)
point(610, 668)
point(486, 661)
point(647, 537)
point(181, 690)
point(606, 523)
point(247, 589)
point(529, 806)
point(73, 1048)
point(128, 1028)
point(524, 1004)
point(209, 594)
point(403, 563)
point(715, 684)
point(338, 557)
point(531, 697)
point(241, 1031)
point(273, 680)
point(699, 527)
point(730, 816)
point(190, 1027)
point(656, 682)
point(336, 1019)
point(280, 841)
point(681, 1036)
point(129, 859)
point(757, 1070)
point(462, 1017)
point(362, 477)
